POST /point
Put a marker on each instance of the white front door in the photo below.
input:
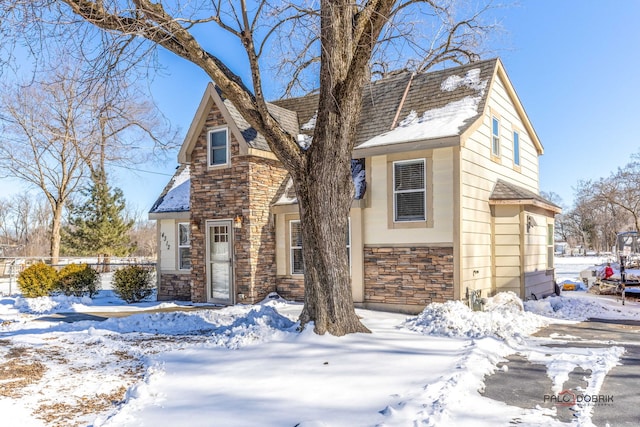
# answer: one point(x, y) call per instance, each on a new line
point(219, 262)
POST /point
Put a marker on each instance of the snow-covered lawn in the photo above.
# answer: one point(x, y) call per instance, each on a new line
point(248, 365)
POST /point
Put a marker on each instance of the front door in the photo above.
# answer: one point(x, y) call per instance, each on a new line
point(219, 262)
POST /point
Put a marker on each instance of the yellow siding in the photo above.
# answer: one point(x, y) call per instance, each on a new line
point(167, 245)
point(376, 215)
point(484, 236)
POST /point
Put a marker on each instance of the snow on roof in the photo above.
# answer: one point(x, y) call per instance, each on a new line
point(311, 124)
point(288, 196)
point(176, 199)
point(438, 122)
point(470, 80)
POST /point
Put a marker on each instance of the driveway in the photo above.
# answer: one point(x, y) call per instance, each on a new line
point(524, 384)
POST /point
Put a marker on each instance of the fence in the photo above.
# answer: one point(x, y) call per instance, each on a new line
point(10, 268)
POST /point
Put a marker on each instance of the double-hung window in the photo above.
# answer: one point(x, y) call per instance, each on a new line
point(495, 137)
point(516, 148)
point(295, 238)
point(409, 190)
point(295, 246)
point(218, 147)
point(184, 246)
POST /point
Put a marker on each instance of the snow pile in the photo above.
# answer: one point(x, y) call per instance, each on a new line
point(503, 318)
point(578, 308)
point(49, 305)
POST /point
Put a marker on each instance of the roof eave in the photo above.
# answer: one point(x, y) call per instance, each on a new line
point(401, 147)
point(527, 201)
point(170, 215)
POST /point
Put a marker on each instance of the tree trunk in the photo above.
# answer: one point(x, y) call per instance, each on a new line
point(324, 185)
point(56, 224)
point(324, 198)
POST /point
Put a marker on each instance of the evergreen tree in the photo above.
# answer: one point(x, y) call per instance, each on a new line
point(98, 226)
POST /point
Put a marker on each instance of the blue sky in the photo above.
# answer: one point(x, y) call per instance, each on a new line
point(574, 64)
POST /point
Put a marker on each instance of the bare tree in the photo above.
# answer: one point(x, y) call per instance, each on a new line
point(342, 38)
point(24, 226)
point(43, 147)
point(59, 129)
point(621, 190)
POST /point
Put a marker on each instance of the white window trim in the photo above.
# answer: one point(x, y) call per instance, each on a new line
point(495, 139)
point(292, 248)
point(393, 189)
point(187, 225)
point(227, 147)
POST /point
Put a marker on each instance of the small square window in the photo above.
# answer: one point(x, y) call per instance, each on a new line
point(218, 147)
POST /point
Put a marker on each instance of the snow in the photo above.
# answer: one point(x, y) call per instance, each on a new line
point(470, 80)
point(247, 365)
point(311, 124)
point(177, 198)
point(439, 122)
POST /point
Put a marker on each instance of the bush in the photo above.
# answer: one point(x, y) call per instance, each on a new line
point(38, 280)
point(79, 280)
point(133, 283)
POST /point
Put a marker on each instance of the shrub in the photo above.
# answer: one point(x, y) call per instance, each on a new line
point(133, 283)
point(38, 280)
point(79, 280)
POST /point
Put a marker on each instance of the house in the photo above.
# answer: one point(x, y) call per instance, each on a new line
point(447, 171)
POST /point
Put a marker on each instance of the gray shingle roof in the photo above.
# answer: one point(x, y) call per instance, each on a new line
point(382, 98)
point(175, 195)
point(505, 191)
point(287, 118)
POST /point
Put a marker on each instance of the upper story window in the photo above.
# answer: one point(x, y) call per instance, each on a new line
point(495, 137)
point(409, 190)
point(218, 147)
point(516, 148)
point(184, 246)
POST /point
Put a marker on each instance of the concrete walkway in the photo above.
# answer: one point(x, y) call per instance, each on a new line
point(524, 384)
point(104, 315)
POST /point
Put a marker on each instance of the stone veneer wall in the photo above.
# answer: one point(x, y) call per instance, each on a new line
point(266, 176)
point(174, 287)
point(245, 188)
point(291, 287)
point(408, 275)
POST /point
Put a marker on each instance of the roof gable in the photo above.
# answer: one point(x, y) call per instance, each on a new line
point(501, 73)
point(245, 134)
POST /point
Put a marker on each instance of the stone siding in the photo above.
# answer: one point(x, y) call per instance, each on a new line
point(174, 287)
point(408, 275)
point(291, 287)
point(245, 188)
